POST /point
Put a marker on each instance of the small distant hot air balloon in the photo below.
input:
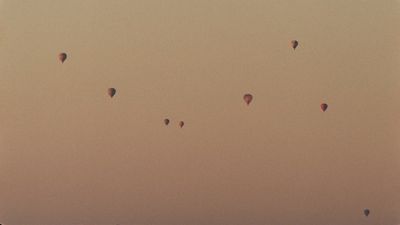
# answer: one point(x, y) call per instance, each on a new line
point(324, 107)
point(62, 57)
point(111, 92)
point(181, 124)
point(294, 43)
point(166, 121)
point(247, 98)
point(366, 212)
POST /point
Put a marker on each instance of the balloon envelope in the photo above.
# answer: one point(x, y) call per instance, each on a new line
point(324, 107)
point(111, 92)
point(295, 43)
point(62, 57)
point(247, 98)
point(366, 212)
point(166, 121)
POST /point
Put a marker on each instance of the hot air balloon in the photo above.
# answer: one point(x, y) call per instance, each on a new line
point(166, 121)
point(181, 123)
point(366, 212)
point(324, 107)
point(295, 43)
point(62, 57)
point(247, 98)
point(111, 92)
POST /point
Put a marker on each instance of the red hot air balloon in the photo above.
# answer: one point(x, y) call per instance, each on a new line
point(247, 98)
point(181, 124)
point(62, 57)
point(166, 121)
point(324, 107)
point(111, 92)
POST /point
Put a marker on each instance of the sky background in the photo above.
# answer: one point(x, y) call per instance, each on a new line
point(69, 154)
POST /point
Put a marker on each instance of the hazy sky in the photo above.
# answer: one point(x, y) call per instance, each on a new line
point(69, 154)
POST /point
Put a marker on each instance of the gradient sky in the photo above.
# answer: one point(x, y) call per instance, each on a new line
point(71, 155)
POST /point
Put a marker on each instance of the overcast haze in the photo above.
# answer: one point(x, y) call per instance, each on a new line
point(69, 154)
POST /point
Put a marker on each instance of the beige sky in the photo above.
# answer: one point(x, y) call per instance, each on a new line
point(71, 155)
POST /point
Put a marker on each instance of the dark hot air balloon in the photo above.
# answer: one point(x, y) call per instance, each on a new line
point(181, 124)
point(166, 121)
point(62, 57)
point(324, 107)
point(247, 98)
point(111, 92)
point(366, 212)
point(294, 43)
